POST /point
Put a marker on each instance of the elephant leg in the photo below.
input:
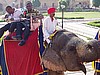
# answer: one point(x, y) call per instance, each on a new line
point(55, 73)
point(97, 73)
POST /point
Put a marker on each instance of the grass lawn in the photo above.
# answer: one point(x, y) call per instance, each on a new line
point(78, 14)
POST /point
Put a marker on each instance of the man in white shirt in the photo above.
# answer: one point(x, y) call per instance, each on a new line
point(13, 16)
point(49, 24)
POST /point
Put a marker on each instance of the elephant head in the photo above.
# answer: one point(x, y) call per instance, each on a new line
point(68, 52)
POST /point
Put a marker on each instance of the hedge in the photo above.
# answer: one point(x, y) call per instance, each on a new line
point(94, 23)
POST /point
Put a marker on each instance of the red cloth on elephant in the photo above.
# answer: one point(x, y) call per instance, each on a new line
point(23, 60)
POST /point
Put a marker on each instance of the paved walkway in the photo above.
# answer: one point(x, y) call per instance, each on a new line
point(79, 26)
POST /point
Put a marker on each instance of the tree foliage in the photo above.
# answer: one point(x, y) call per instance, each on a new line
point(36, 3)
point(63, 2)
point(96, 3)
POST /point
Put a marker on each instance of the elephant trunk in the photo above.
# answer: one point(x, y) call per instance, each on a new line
point(89, 56)
point(90, 51)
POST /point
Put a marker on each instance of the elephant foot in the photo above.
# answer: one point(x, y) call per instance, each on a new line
point(55, 73)
point(97, 73)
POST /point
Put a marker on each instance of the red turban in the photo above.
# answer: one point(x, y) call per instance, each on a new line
point(51, 10)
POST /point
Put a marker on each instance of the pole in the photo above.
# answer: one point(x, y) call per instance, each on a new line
point(62, 17)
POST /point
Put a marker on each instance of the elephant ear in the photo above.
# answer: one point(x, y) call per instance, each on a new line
point(52, 60)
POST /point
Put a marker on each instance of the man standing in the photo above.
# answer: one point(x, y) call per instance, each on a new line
point(97, 62)
point(14, 17)
point(49, 25)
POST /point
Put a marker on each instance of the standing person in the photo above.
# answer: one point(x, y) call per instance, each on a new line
point(97, 62)
point(30, 13)
point(49, 25)
point(13, 16)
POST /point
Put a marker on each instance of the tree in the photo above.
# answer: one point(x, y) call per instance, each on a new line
point(96, 3)
point(63, 2)
point(67, 1)
point(36, 3)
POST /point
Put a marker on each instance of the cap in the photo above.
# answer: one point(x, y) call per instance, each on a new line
point(51, 10)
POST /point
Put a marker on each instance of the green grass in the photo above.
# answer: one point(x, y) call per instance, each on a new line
point(78, 14)
point(2, 20)
point(94, 23)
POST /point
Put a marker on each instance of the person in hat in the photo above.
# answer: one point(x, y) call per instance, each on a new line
point(49, 24)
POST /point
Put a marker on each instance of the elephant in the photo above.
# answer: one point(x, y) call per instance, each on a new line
point(67, 52)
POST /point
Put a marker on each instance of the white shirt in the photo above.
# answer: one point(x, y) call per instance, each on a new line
point(49, 27)
point(16, 15)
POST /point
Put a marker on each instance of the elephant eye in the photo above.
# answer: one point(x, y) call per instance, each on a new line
point(72, 48)
point(89, 46)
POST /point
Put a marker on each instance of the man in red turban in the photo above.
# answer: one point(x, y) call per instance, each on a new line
point(49, 24)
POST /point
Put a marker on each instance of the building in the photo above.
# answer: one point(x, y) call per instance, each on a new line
point(72, 4)
point(14, 3)
point(49, 3)
point(45, 4)
point(79, 3)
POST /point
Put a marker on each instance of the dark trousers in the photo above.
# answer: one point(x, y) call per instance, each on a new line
point(4, 28)
point(26, 26)
point(11, 27)
point(14, 26)
point(97, 73)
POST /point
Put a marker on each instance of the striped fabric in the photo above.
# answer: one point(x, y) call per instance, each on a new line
point(42, 48)
point(0, 71)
